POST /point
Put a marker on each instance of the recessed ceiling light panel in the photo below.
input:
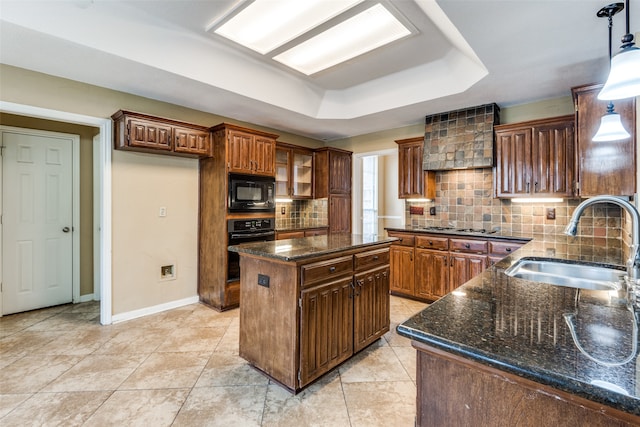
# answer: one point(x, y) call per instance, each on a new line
point(364, 32)
point(264, 25)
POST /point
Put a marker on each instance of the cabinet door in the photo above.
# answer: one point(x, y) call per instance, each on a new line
point(513, 162)
point(239, 152)
point(339, 213)
point(339, 173)
point(262, 161)
point(326, 328)
point(149, 134)
point(371, 307)
point(431, 274)
point(283, 162)
point(191, 141)
point(302, 174)
point(552, 160)
point(410, 176)
point(402, 269)
point(604, 167)
point(465, 267)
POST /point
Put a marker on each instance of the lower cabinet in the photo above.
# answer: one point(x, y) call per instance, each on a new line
point(312, 315)
point(427, 267)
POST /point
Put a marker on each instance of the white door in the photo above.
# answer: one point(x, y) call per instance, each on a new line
point(37, 203)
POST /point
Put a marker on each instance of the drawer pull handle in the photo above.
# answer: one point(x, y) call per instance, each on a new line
point(375, 258)
point(508, 249)
point(431, 242)
point(466, 245)
point(332, 269)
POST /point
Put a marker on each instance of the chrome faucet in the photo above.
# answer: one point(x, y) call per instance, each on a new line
point(633, 263)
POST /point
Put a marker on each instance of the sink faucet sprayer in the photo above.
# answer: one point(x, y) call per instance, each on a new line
point(633, 263)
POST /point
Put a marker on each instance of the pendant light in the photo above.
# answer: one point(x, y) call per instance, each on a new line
point(611, 128)
point(624, 75)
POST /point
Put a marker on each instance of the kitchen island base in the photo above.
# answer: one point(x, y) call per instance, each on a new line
point(302, 317)
point(452, 390)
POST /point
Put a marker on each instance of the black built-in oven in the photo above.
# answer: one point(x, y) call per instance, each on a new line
point(248, 193)
point(245, 231)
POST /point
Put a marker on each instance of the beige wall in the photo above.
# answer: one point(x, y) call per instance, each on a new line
point(141, 184)
point(86, 134)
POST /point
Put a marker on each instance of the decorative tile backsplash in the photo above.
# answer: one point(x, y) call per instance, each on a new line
point(460, 139)
point(464, 200)
point(302, 214)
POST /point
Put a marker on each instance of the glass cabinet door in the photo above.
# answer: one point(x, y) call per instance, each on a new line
point(283, 159)
point(302, 174)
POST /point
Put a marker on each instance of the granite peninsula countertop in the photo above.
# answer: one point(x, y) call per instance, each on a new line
point(310, 247)
point(519, 326)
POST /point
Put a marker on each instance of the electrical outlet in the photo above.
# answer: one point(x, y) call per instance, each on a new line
point(263, 280)
point(551, 213)
point(168, 272)
point(432, 210)
point(282, 210)
point(162, 212)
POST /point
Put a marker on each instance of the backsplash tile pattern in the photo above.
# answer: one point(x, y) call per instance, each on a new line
point(302, 214)
point(461, 138)
point(464, 199)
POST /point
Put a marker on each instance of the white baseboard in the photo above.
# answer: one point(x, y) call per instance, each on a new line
point(116, 318)
point(87, 298)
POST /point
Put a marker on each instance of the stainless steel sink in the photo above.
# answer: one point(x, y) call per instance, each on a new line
point(567, 273)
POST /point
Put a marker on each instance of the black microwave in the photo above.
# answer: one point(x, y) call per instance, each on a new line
point(249, 193)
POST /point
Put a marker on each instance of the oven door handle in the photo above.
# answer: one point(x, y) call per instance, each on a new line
point(252, 235)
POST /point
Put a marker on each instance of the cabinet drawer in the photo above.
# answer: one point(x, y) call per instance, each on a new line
point(280, 235)
point(429, 242)
point(326, 270)
point(405, 239)
point(504, 248)
point(371, 259)
point(471, 246)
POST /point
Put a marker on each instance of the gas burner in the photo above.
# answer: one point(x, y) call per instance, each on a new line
point(471, 230)
point(436, 228)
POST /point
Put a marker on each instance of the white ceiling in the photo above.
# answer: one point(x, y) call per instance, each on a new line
point(466, 53)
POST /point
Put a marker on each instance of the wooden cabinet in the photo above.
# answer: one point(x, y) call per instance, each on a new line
point(535, 158)
point(332, 169)
point(149, 134)
point(314, 313)
point(249, 152)
point(295, 234)
point(294, 172)
point(326, 327)
point(429, 266)
point(402, 264)
point(605, 167)
point(413, 182)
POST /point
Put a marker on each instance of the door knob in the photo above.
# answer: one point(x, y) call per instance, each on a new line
point(66, 229)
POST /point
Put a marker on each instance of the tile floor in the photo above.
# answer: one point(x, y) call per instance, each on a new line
point(59, 366)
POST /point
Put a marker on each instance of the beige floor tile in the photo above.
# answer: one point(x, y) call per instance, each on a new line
point(381, 403)
point(167, 370)
point(223, 406)
point(407, 356)
point(228, 369)
point(320, 404)
point(394, 339)
point(67, 322)
point(134, 341)
point(97, 372)
point(229, 342)
point(373, 364)
point(8, 402)
point(139, 408)
point(192, 339)
point(31, 373)
point(81, 342)
point(203, 316)
point(26, 342)
point(55, 409)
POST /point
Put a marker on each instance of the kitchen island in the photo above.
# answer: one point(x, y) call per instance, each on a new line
point(506, 351)
point(309, 304)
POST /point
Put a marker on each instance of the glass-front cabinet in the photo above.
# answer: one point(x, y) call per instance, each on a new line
point(294, 172)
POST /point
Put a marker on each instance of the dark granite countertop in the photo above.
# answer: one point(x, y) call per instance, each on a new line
point(519, 326)
point(462, 232)
point(310, 247)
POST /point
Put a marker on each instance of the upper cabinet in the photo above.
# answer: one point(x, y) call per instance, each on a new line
point(413, 182)
point(603, 167)
point(149, 134)
point(535, 158)
point(332, 168)
point(294, 172)
point(248, 151)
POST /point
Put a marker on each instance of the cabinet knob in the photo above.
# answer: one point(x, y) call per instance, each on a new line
point(508, 249)
point(375, 257)
point(332, 269)
point(466, 245)
point(431, 242)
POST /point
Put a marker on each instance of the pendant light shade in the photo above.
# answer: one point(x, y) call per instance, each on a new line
point(624, 75)
point(611, 128)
